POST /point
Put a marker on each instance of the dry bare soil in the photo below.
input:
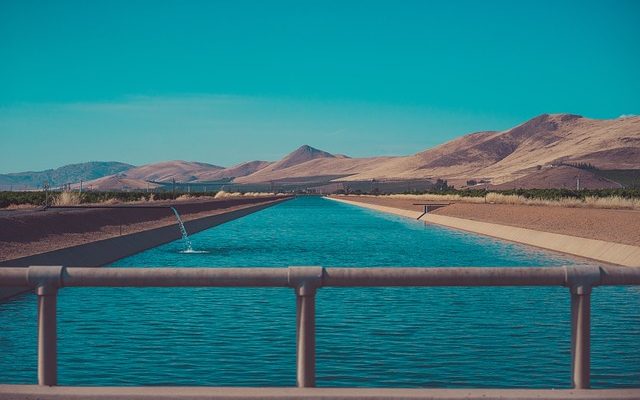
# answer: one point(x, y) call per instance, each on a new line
point(618, 226)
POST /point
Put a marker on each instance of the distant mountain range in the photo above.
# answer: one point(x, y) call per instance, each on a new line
point(66, 174)
point(545, 151)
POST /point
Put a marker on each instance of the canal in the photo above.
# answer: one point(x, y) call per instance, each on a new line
point(366, 337)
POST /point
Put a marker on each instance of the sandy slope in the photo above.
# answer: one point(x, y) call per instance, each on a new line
point(181, 171)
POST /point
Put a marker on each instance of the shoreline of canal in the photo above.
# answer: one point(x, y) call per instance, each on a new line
point(592, 249)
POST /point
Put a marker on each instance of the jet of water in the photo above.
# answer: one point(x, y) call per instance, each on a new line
point(185, 236)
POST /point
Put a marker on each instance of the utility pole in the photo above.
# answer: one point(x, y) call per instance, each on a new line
point(80, 186)
point(173, 180)
point(45, 186)
point(577, 183)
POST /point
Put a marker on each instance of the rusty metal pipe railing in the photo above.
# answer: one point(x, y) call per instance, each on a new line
point(14, 276)
point(173, 277)
point(471, 276)
point(305, 281)
point(342, 277)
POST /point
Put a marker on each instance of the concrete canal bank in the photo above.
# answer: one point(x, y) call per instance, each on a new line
point(598, 250)
point(149, 232)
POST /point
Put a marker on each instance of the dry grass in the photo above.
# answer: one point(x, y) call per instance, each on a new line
point(109, 202)
point(67, 199)
point(613, 202)
point(223, 195)
point(20, 207)
point(262, 194)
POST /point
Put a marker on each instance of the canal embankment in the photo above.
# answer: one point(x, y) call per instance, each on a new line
point(604, 235)
point(96, 237)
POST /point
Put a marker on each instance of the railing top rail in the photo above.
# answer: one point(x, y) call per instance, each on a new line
point(36, 276)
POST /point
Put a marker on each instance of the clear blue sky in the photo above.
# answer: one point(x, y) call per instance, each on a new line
point(224, 82)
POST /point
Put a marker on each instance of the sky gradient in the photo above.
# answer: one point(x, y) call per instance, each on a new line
point(230, 81)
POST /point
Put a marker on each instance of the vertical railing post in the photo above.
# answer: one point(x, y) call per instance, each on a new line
point(581, 336)
point(47, 280)
point(47, 336)
point(580, 279)
point(305, 281)
point(306, 335)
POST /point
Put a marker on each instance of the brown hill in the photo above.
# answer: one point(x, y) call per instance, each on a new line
point(116, 182)
point(181, 171)
point(606, 144)
point(66, 174)
point(243, 169)
point(507, 155)
point(302, 154)
point(309, 162)
point(144, 176)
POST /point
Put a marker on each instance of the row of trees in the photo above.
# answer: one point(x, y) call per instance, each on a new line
point(39, 198)
point(545, 194)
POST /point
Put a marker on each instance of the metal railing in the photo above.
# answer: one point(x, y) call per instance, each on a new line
point(47, 280)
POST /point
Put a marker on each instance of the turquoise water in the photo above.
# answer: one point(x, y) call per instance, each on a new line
point(415, 337)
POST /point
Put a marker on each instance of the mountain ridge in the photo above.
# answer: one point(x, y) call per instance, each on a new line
point(494, 156)
point(302, 154)
point(506, 155)
point(65, 174)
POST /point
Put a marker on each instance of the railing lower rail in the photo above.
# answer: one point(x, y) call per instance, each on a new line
point(47, 280)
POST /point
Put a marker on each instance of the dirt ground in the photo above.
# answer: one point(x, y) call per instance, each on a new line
point(619, 226)
point(25, 233)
